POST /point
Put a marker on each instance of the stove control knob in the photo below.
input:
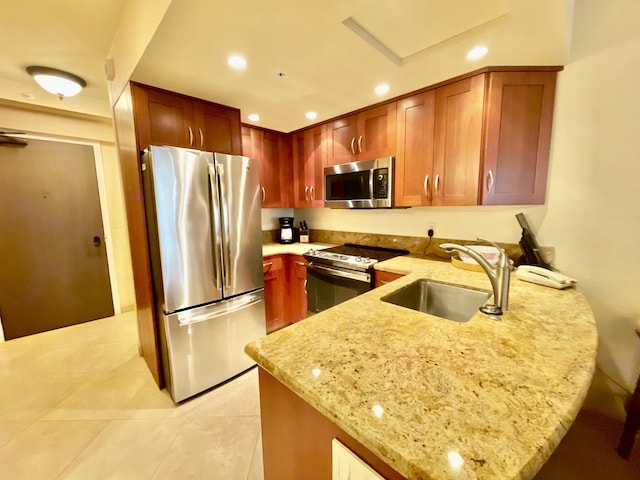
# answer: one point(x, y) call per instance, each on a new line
point(366, 259)
point(311, 252)
point(358, 259)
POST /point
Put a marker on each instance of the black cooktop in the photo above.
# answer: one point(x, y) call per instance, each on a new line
point(376, 253)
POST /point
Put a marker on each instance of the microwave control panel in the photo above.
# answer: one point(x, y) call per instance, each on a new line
point(380, 183)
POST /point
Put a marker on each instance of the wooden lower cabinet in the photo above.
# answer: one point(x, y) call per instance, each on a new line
point(297, 287)
point(296, 438)
point(380, 277)
point(275, 282)
point(285, 294)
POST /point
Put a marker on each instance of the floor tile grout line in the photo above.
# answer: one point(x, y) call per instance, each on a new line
point(173, 441)
point(107, 423)
point(253, 455)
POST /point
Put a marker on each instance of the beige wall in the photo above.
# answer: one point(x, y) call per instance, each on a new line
point(592, 214)
point(100, 131)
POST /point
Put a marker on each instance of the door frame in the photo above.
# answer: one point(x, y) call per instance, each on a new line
point(104, 211)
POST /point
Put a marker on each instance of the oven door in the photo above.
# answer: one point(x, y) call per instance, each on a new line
point(328, 286)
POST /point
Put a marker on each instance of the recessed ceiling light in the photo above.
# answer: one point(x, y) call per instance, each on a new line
point(254, 117)
point(237, 62)
point(311, 115)
point(382, 89)
point(477, 52)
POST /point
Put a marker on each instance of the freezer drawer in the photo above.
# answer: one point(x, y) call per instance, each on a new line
point(204, 346)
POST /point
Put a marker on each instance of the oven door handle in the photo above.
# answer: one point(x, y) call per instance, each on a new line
point(358, 276)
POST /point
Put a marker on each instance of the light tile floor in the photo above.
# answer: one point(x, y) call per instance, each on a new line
point(79, 403)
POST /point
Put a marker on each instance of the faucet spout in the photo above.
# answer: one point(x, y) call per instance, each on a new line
point(498, 275)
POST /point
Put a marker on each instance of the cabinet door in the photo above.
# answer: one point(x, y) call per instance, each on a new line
point(300, 185)
point(272, 167)
point(309, 160)
point(269, 148)
point(217, 128)
point(457, 144)
point(247, 143)
point(342, 136)
point(162, 118)
point(274, 292)
point(414, 153)
point(297, 288)
point(381, 277)
point(517, 137)
point(376, 132)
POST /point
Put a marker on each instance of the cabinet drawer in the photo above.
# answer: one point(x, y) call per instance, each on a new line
point(272, 266)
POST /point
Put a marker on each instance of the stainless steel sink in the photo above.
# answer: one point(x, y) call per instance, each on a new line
point(439, 299)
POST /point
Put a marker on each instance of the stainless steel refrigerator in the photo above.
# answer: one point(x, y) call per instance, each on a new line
point(204, 222)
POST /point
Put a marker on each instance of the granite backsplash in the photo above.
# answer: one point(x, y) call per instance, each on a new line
point(415, 245)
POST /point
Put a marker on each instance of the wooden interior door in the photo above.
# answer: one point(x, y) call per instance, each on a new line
point(53, 263)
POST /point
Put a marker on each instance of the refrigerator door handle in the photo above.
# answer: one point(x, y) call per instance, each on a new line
point(226, 236)
point(217, 247)
point(226, 308)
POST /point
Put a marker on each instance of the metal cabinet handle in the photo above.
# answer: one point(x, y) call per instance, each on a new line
point(300, 263)
point(425, 185)
point(266, 266)
point(305, 287)
point(360, 144)
point(201, 138)
point(190, 136)
point(311, 195)
point(490, 181)
point(306, 193)
point(264, 194)
point(353, 145)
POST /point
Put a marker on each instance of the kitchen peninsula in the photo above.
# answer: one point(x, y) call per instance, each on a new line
point(421, 397)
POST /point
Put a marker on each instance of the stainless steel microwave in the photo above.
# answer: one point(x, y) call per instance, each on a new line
point(365, 184)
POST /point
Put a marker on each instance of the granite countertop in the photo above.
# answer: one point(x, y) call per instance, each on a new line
point(425, 394)
point(290, 248)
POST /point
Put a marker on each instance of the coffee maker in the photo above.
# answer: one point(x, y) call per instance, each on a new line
point(286, 229)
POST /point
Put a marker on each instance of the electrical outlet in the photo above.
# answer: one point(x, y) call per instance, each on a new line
point(431, 229)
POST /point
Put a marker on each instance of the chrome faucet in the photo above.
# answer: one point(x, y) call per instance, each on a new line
point(498, 275)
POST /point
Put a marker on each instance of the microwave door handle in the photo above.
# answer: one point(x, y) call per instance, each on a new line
point(372, 194)
point(226, 234)
point(217, 234)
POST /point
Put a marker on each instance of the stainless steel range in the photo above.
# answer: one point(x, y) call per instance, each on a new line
point(337, 274)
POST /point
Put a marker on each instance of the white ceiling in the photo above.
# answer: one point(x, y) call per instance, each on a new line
point(332, 52)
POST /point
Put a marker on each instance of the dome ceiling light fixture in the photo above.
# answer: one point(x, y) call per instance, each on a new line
point(60, 83)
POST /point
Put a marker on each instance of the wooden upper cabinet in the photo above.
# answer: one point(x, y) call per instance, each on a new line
point(161, 118)
point(519, 112)
point(218, 128)
point(367, 135)
point(166, 118)
point(309, 156)
point(273, 153)
point(414, 150)
point(457, 142)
